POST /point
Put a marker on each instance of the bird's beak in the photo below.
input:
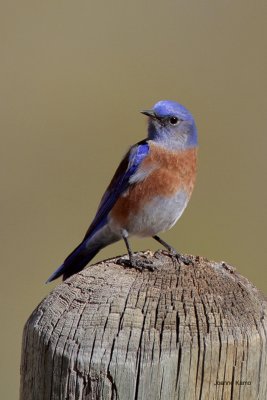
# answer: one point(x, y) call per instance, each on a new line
point(149, 113)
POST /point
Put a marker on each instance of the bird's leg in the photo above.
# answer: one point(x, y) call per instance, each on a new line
point(165, 244)
point(133, 261)
point(172, 250)
point(127, 244)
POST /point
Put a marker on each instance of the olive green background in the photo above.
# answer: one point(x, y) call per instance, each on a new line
point(74, 76)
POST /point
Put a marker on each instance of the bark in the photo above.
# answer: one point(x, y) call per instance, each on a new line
point(179, 332)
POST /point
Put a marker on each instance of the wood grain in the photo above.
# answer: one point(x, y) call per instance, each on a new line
point(180, 332)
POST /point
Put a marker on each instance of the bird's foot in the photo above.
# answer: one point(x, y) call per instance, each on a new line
point(137, 263)
point(180, 258)
point(174, 253)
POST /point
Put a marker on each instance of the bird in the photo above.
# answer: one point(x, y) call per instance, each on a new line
point(149, 190)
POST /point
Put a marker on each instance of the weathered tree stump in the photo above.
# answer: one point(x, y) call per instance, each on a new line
point(180, 332)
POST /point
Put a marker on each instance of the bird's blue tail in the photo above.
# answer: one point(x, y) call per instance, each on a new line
point(75, 262)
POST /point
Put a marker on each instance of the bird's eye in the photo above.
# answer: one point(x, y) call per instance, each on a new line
point(174, 120)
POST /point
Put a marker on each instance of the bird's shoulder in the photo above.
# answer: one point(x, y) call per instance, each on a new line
point(130, 162)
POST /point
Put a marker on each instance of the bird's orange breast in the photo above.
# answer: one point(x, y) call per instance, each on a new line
point(170, 171)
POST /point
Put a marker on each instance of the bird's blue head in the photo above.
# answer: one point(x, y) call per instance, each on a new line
point(172, 125)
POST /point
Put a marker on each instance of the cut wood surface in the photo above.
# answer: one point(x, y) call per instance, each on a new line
point(180, 332)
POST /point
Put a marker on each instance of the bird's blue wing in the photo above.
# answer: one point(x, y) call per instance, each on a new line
point(123, 178)
point(119, 184)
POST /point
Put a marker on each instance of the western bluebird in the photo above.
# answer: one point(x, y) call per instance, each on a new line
point(149, 191)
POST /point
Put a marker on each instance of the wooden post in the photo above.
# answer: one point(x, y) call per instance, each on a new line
point(180, 332)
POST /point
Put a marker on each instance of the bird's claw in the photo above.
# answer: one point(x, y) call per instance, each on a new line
point(182, 259)
point(137, 263)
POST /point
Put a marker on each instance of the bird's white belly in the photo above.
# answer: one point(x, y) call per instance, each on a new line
point(158, 215)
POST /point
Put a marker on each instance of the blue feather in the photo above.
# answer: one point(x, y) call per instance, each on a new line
point(119, 184)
